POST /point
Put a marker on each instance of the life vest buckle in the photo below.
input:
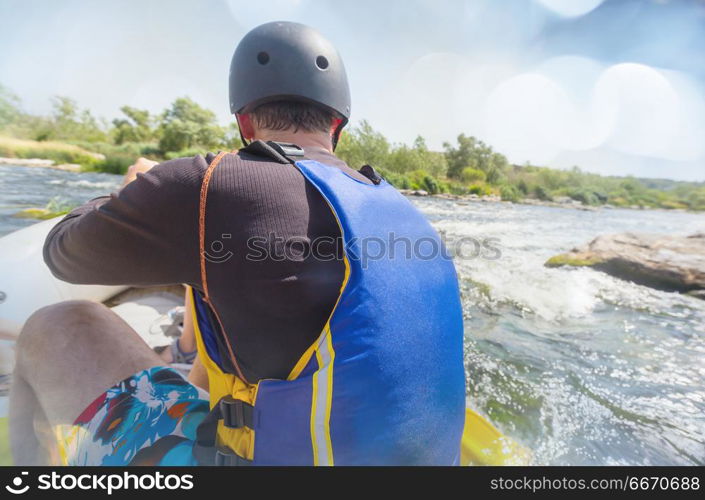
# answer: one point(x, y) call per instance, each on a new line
point(287, 150)
point(370, 172)
point(226, 457)
point(236, 413)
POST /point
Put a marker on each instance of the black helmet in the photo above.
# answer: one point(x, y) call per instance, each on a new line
point(284, 60)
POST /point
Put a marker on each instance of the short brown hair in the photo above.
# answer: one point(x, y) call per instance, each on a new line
point(296, 115)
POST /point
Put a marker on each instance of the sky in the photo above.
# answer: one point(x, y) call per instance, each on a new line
point(616, 87)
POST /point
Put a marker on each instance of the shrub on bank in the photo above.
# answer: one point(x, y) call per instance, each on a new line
point(118, 158)
point(509, 193)
point(471, 175)
point(418, 179)
point(480, 190)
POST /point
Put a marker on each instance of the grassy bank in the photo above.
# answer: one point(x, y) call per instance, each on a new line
point(98, 157)
point(58, 152)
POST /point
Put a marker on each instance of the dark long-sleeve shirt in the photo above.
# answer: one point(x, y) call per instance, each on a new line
point(147, 234)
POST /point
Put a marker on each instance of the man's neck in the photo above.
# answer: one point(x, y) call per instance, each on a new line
point(303, 139)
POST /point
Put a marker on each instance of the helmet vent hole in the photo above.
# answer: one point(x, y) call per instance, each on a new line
point(322, 62)
point(263, 58)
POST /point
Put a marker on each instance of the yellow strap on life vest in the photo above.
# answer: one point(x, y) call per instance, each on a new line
point(220, 384)
point(483, 444)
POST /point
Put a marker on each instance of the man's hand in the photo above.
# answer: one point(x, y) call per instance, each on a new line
point(141, 166)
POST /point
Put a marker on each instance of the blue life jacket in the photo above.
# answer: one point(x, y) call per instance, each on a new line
point(384, 383)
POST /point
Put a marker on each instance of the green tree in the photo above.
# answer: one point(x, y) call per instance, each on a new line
point(473, 153)
point(404, 158)
point(494, 175)
point(462, 156)
point(136, 127)
point(187, 125)
point(363, 145)
point(70, 123)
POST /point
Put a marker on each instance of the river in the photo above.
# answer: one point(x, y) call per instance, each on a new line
point(581, 367)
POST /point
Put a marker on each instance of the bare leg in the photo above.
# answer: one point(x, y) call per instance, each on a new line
point(26, 448)
point(67, 355)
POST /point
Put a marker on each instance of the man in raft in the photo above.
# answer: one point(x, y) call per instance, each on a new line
point(326, 311)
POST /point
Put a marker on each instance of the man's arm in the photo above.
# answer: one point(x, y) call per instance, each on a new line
point(145, 234)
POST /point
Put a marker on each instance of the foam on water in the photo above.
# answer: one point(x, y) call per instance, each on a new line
point(582, 367)
point(85, 184)
point(24, 187)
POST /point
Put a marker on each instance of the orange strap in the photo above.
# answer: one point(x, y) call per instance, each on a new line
point(202, 254)
point(202, 220)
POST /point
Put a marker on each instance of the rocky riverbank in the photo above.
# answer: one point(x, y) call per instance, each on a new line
point(670, 263)
point(557, 202)
point(560, 202)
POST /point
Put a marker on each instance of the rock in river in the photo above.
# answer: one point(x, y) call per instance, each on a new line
point(671, 263)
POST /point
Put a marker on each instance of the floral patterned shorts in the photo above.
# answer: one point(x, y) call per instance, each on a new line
point(149, 418)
